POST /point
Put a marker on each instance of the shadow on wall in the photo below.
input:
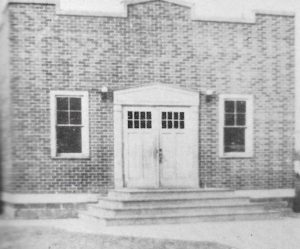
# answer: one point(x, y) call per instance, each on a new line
point(296, 204)
point(1, 179)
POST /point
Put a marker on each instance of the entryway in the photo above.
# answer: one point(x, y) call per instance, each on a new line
point(156, 137)
point(157, 149)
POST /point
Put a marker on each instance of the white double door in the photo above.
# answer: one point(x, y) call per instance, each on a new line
point(158, 147)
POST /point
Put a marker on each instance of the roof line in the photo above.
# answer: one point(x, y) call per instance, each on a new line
point(35, 1)
point(178, 2)
point(251, 18)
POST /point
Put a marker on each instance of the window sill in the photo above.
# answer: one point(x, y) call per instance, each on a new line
point(71, 156)
point(237, 155)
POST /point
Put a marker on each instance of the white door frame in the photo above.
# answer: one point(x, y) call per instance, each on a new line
point(154, 95)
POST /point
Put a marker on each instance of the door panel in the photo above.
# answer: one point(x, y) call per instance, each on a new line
point(175, 133)
point(171, 130)
point(140, 145)
point(142, 164)
point(168, 145)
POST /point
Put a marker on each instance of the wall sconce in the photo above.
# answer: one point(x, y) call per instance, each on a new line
point(209, 95)
point(104, 89)
point(105, 94)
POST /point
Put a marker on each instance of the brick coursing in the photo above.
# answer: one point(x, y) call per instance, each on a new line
point(157, 43)
point(5, 111)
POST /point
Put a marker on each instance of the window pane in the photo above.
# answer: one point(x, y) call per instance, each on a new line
point(136, 124)
point(229, 106)
point(241, 119)
point(241, 106)
point(68, 139)
point(164, 124)
point(229, 119)
point(175, 115)
point(62, 104)
point(62, 117)
point(75, 104)
point(75, 117)
point(143, 124)
point(181, 124)
point(170, 115)
point(176, 124)
point(149, 124)
point(129, 115)
point(143, 116)
point(163, 115)
point(136, 115)
point(182, 116)
point(234, 139)
point(129, 124)
point(169, 124)
point(148, 115)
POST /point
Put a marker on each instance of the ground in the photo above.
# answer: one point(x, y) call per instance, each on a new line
point(53, 238)
point(282, 233)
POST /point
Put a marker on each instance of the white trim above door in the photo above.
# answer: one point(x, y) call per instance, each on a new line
point(158, 97)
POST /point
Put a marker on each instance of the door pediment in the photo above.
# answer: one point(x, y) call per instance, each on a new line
point(156, 95)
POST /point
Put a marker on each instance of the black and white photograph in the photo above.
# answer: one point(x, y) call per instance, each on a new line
point(149, 124)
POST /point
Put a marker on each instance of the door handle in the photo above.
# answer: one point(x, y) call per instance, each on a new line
point(160, 155)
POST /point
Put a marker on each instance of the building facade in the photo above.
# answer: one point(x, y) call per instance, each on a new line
point(152, 99)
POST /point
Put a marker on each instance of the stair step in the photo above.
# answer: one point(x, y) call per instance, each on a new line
point(169, 190)
point(170, 194)
point(173, 212)
point(272, 199)
point(177, 203)
point(158, 206)
point(182, 219)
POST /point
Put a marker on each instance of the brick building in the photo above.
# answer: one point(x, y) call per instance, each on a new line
point(154, 98)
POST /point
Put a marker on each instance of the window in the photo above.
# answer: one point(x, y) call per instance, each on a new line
point(69, 124)
point(236, 119)
point(139, 120)
point(172, 120)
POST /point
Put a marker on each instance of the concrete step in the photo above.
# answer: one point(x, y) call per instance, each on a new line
point(182, 219)
point(174, 212)
point(169, 194)
point(158, 206)
point(274, 201)
point(110, 203)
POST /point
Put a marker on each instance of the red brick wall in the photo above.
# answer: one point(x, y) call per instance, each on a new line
point(158, 42)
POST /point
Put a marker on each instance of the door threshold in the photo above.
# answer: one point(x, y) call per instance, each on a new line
point(170, 189)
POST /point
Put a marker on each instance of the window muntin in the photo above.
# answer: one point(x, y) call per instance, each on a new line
point(139, 120)
point(68, 111)
point(172, 120)
point(236, 125)
point(69, 124)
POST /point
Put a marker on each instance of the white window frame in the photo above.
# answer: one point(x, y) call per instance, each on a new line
point(85, 123)
point(249, 125)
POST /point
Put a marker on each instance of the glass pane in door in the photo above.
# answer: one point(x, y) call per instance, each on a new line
point(172, 120)
point(139, 120)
